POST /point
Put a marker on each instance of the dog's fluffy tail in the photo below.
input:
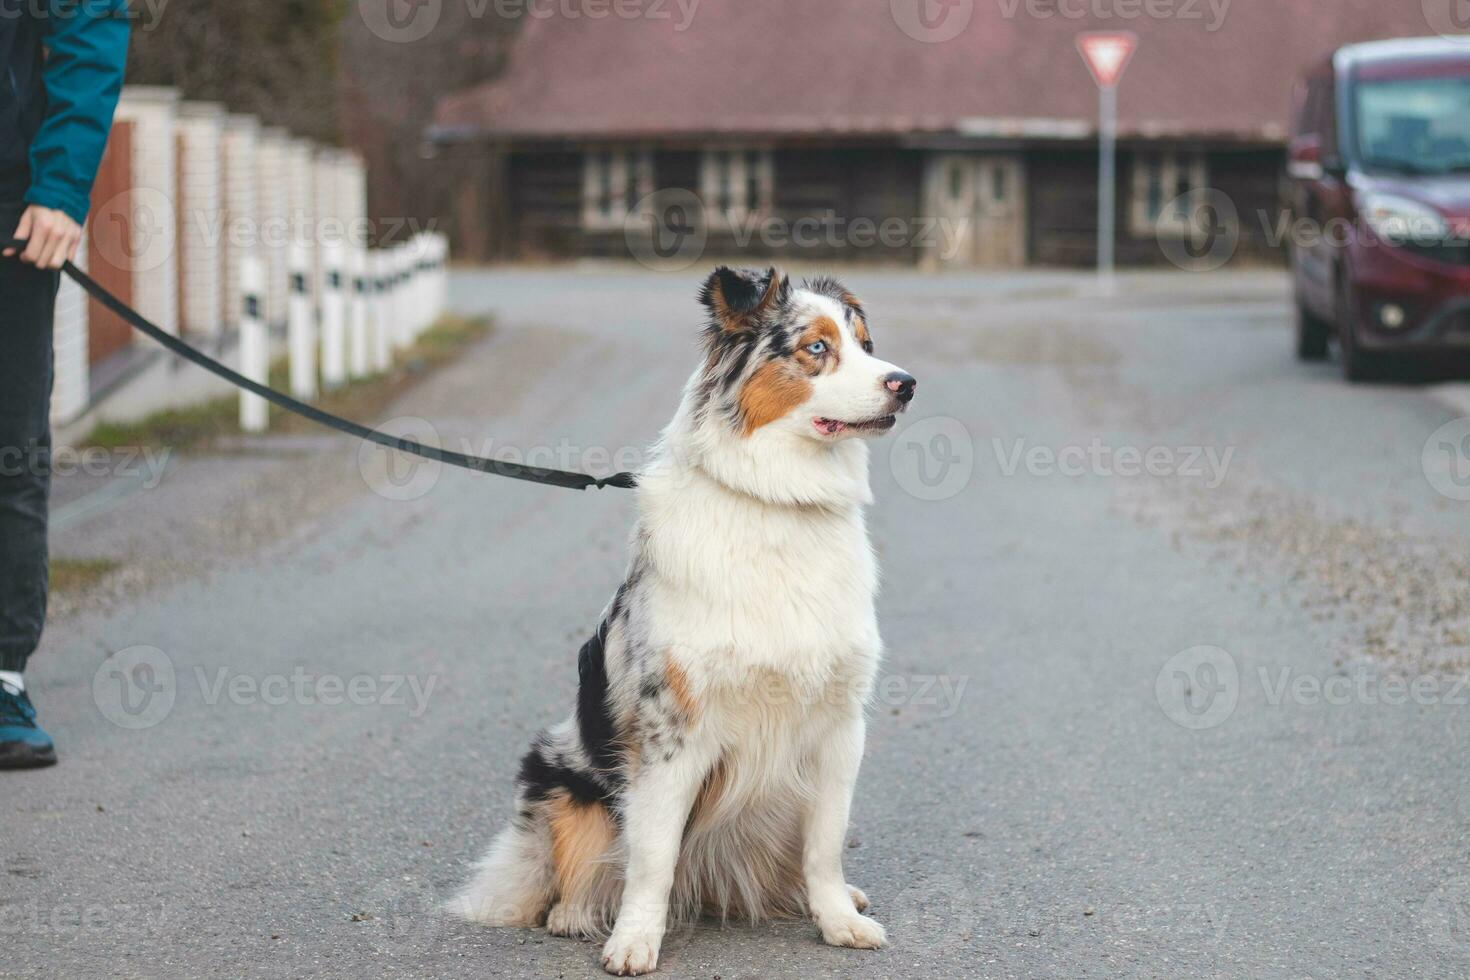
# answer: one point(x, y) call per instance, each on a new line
point(514, 883)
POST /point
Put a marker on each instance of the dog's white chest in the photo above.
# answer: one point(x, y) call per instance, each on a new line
point(741, 590)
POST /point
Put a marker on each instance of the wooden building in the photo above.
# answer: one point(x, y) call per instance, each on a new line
point(831, 129)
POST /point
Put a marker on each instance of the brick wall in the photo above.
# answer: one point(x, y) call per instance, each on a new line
point(237, 179)
point(201, 130)
point(272, 217)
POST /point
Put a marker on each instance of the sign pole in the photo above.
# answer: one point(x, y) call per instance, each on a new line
point(1107, 54)
point(1107, 186)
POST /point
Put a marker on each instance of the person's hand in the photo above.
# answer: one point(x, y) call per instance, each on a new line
point(52, 237)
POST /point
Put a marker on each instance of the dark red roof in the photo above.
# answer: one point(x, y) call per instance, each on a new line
point(848, 66)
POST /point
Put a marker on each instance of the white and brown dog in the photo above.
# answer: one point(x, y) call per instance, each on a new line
point(710, 763)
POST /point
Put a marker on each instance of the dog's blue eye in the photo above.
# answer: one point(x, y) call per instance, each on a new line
point(820, 347)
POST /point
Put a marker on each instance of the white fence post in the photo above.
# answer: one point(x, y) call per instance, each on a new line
point(151, 205)
point(382, 310)
point(399, 298)
point(300, 328)
point(424, 263)
point(239, 233)
point(201, 140)
point(71, 387)
point(254, 344)
point(273, 215)
point(334, 320)
point(409, 304)
point(441, 275)
point(359, 346)
point(418, 261)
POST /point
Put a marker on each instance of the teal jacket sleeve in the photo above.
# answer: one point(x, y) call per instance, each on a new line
point(87, 45)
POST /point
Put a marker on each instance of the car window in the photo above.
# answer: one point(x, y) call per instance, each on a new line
point(1416, 126)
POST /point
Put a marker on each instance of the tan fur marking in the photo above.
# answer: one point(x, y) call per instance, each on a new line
point(728, 318)
point(771, 393)
point(823, 328)
point(581, 834)
point(860, 330)
point(678, 683)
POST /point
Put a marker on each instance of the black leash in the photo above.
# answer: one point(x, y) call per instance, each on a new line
point(479, 464)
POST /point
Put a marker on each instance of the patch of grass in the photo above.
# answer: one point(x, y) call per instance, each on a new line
point(76, 574)
point(182, 428)
point(198, 427)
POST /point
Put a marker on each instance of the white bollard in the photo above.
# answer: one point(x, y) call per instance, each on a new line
point(403, 311)
point(254, 343)
point(412, 284)
point(441, 268)
point(431, 280)
point(418, 253)
point(359, 343)
point(300, 323)
point(382, 311)
point(334, 318)
point(393, 323)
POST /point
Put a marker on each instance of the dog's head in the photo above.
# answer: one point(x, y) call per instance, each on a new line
point(795, 359)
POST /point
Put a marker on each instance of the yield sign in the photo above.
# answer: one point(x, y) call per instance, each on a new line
point(1107, 53)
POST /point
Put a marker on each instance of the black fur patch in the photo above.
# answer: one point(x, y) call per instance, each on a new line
point(743, 300)
point(594, 718)
point(739, 291)
point(542, 778)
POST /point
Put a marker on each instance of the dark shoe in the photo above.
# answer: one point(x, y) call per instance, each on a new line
point(23, 745)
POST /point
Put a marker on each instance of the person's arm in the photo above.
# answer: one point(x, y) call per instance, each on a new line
point(87, 48)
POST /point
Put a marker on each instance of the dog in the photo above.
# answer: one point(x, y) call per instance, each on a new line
point(710, 763)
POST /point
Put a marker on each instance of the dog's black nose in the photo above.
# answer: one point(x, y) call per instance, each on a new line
point(902, 385)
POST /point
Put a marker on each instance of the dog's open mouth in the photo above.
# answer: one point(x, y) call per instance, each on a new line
point(834, 427)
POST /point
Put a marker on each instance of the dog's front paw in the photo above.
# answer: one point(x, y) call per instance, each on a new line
point(854, 931)
point(630, 954)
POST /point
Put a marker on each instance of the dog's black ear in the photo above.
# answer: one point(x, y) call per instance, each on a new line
point(738, 299)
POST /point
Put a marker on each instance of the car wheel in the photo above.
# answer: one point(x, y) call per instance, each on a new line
point(1311, 335)
point(1357, 364)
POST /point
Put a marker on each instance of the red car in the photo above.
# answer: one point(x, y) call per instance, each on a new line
point(1380, 178)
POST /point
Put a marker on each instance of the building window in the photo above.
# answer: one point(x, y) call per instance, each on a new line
point(736, 184)
point(959, 183)
point(1167, 186)
point(613, 182)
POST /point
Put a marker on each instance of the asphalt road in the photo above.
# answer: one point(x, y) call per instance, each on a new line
point(1200, 721)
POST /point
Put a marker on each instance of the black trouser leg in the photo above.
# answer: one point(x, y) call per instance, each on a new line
point(27, 308)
